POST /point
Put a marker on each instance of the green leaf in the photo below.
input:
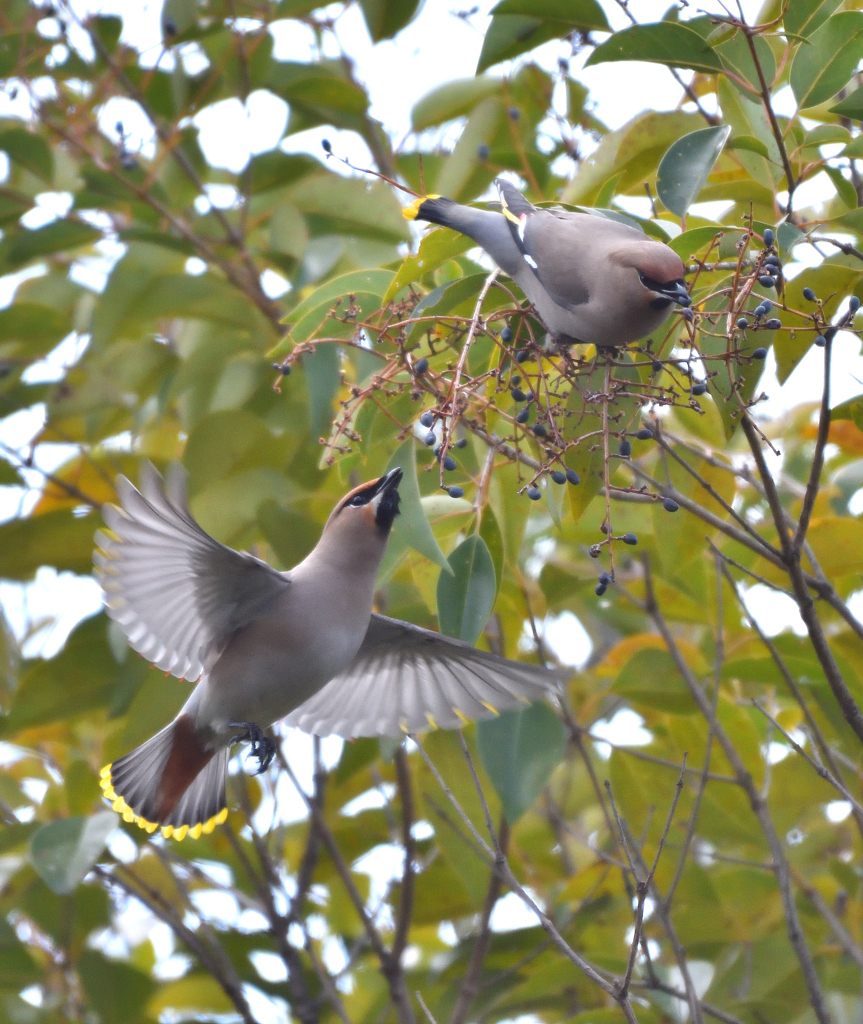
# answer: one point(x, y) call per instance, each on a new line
point(63, 851)
point(650, 680)
point(851, 106)
point(28, 150)
point(36, 328)
point(750, 144)
point(438, 246)
point(736, 57)
point(684, 169)
point(9, 476)
point(116, 990)
point(59, 538)
point(23, 246)
point(452, 100)
point(664, 42)
point(851, 409)
point(521, 25)
point(277, 169)
point(823, 66)
point(318, 94)
point(384, 18)
point(412, 527)
point(803, 17)
point(348, 206)
point(519, 751)
point(465, 596)
point(81, 677)
point(196, 994)
point(845, 188)
point(17, 967)
point(831, 281)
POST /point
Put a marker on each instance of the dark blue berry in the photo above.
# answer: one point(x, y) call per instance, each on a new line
point(540, 430)
point(524, 415)
point(742, 323)
point(518, 395)
point(773, 325)
point(759, 353)
point(600, 589)
point(430, 438)
point(514, 113)
point(773, 261)
point(482, 151)
point(283, 369)
point(558, 477)
point(670, 505)
point(573, 477)
point(534, 493)
point(604, 578)
point(853, 304)
point(515, 381)
point(766, 281)
point(461, 443)
point(449, 463)
point(606, 528)
point(420, 366)
point(455, 492)
point(760, 311)
point(170, 27)
point(630, 538)
point(809, 295)
point(506, 335)
point(656, 366)
point(820, 341)
point(769, 236)
point(625, 448)
point(645, 434)
point(522, 355)
point(698, 389)
point(427, 418)
point(326, 145)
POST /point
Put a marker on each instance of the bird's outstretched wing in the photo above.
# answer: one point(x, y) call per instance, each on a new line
point(177, 593)
point(406, 679)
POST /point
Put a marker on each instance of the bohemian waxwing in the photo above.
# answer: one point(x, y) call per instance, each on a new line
point(590, 278)
point(265, 644)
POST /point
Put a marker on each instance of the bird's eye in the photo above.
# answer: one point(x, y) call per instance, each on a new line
point(357, 500)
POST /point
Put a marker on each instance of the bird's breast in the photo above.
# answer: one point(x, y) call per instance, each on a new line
point(277, 662)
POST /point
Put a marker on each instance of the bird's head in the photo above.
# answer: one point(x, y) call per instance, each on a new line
point(370, 508)
point(660, 271)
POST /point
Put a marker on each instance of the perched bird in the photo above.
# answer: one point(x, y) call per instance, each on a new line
point(590, 278)
point(266, 644)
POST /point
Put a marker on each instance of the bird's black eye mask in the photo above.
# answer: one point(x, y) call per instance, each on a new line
point(669, 291)
point(388, 506)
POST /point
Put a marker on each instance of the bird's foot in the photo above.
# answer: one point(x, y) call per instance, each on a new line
point(263, 747)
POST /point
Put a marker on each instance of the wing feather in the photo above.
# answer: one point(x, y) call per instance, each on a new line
point(406, 679)
point(176, 592)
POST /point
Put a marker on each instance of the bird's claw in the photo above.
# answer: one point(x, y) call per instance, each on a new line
point(263, 747)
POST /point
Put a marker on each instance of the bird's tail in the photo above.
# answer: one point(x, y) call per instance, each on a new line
point(170, 782)
point(434, 209)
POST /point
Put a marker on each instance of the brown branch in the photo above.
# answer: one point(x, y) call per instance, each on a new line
point(212, 958)
point(756, 800)
point(791, 563)
point(471, 981)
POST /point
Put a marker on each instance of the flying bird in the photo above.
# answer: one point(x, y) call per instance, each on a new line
point(265, 644)
point(590, 278)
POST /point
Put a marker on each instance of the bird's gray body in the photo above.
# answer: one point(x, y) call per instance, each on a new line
point(310, 633)
point(579, 270)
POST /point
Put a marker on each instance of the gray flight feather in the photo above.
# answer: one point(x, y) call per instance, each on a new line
point(407, 679)
point(178, 594)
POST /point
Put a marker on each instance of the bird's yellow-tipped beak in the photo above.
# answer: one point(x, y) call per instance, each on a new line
point(410, 212)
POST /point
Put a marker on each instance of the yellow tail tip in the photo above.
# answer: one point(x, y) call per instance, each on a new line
point(411, 212)
point(178, 832)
